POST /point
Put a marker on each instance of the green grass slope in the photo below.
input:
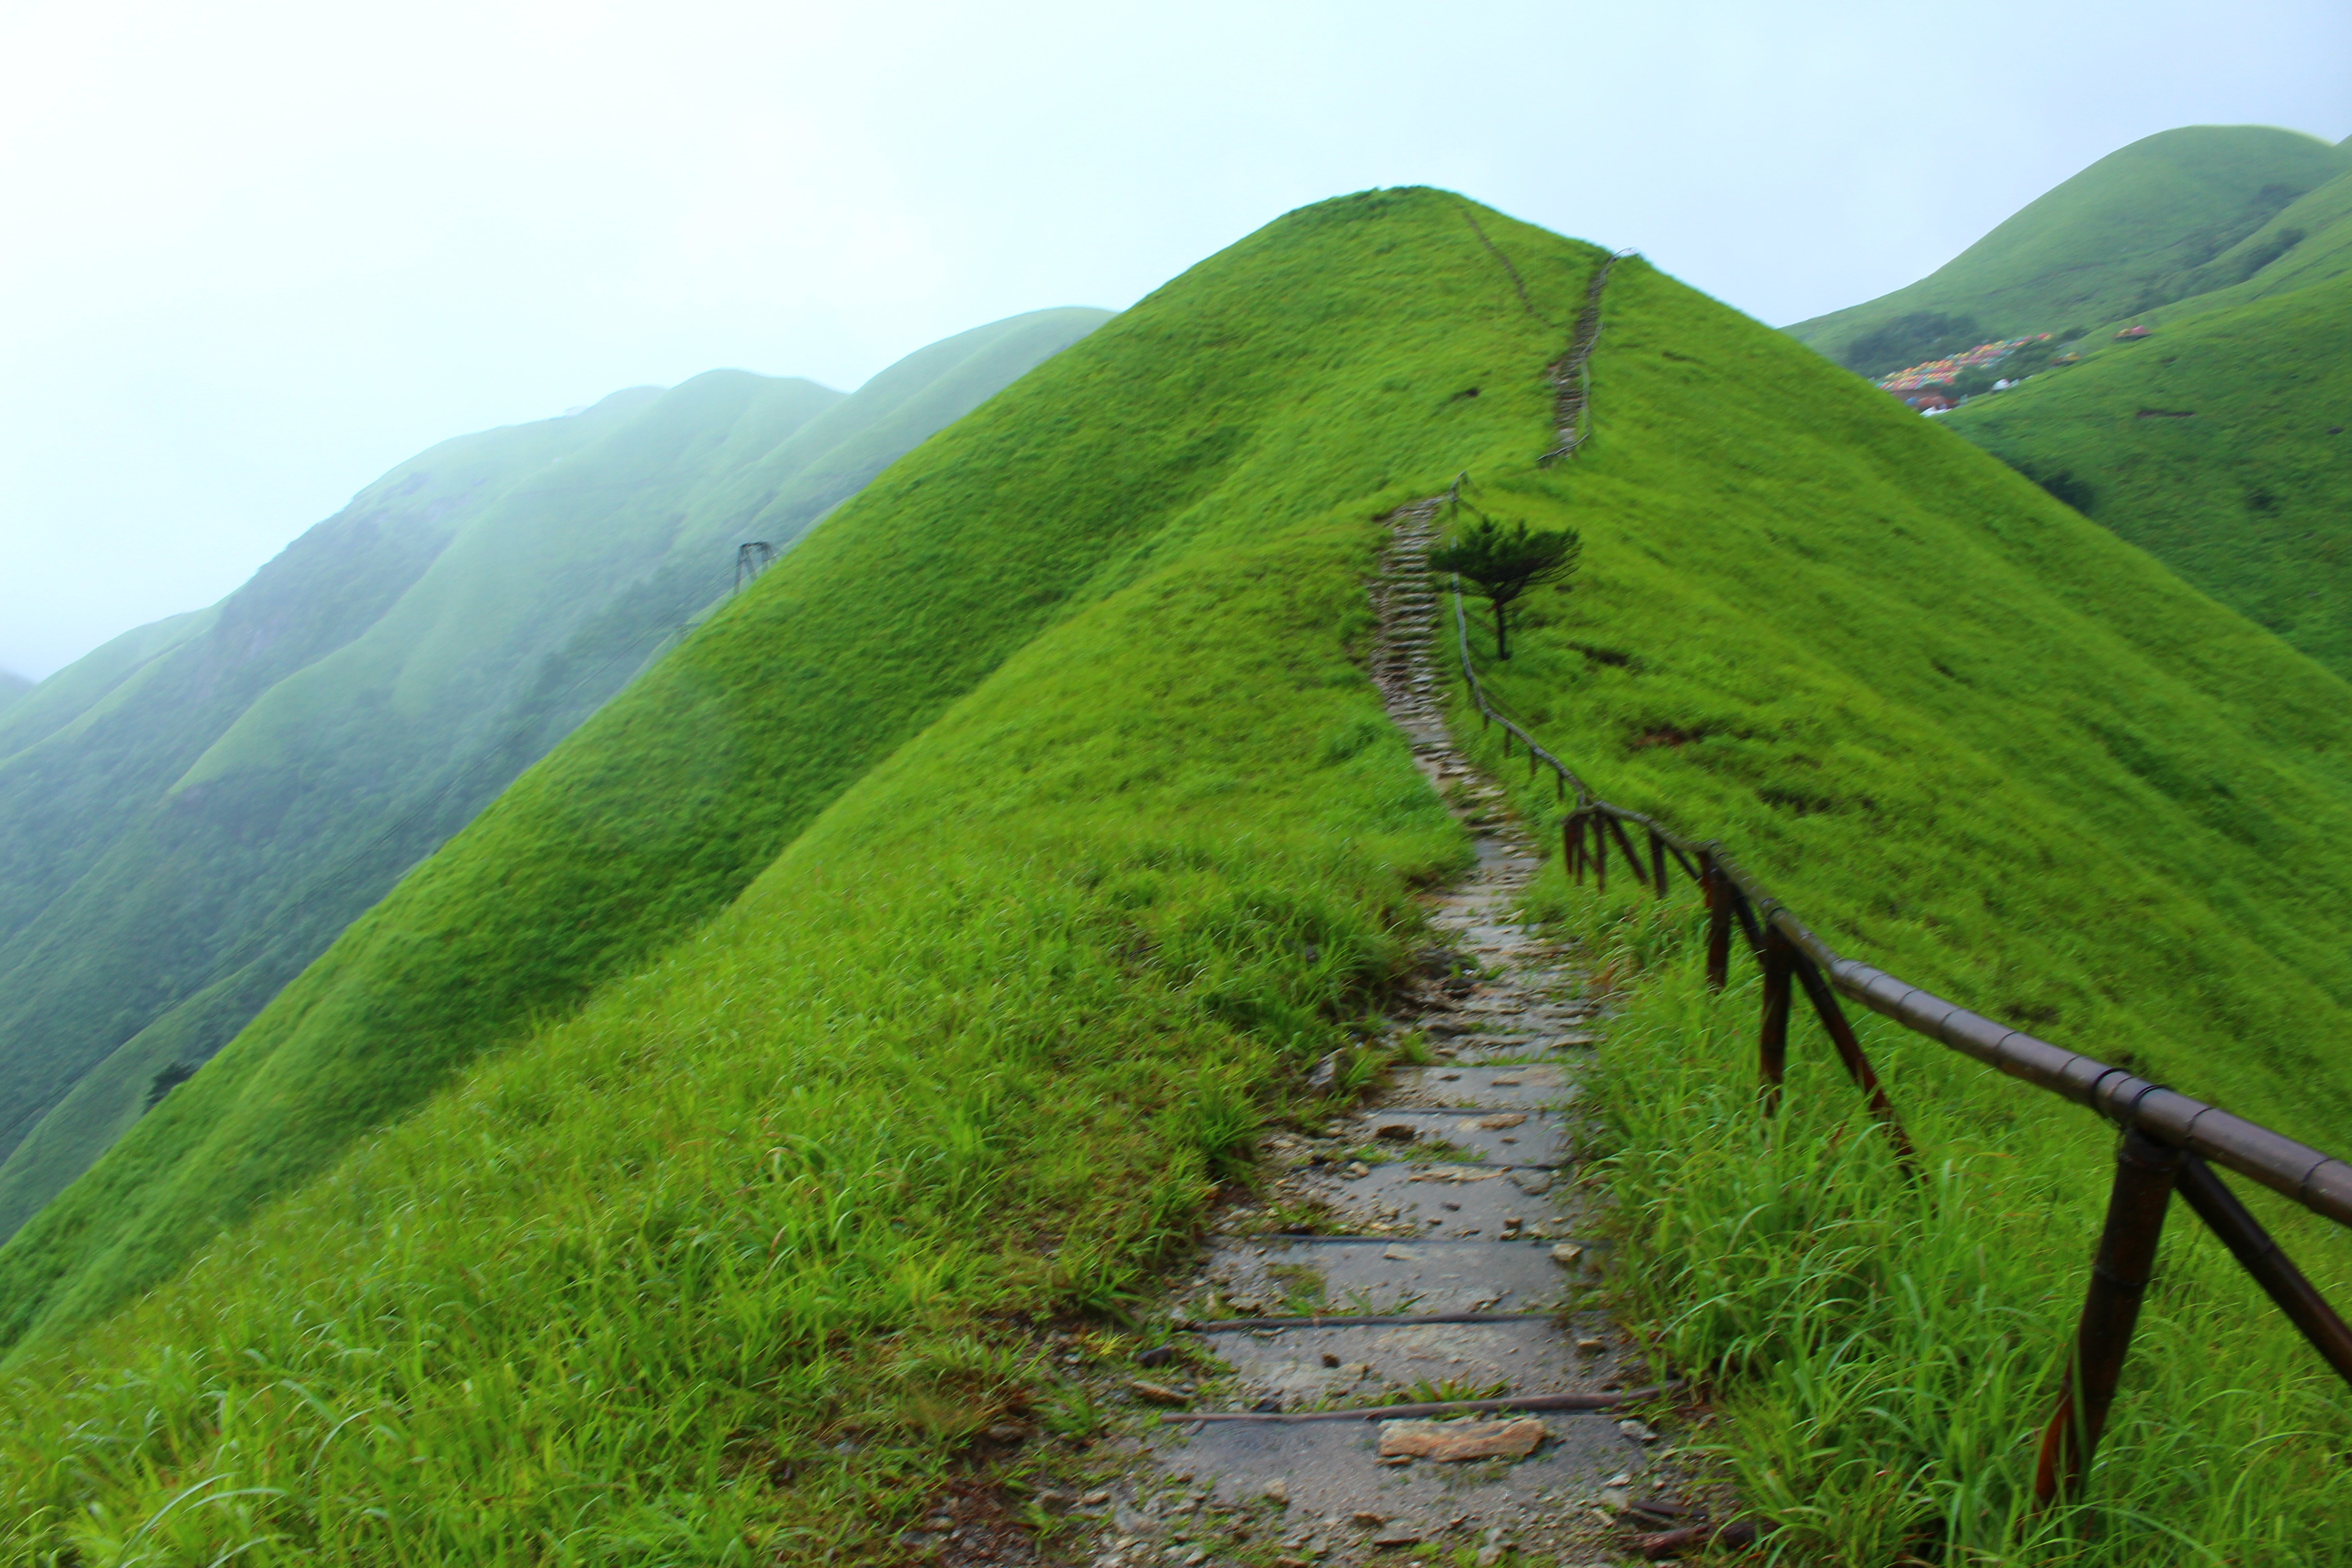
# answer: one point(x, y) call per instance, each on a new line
point(649, 1176)
point(2151, 222)
point(2309, 242)
point(208, 820)
point(74, 691)
point(676, 795)
point(2210, 445)
point(1976, 743)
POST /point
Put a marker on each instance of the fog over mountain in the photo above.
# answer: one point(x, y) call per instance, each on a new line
point(279, 249)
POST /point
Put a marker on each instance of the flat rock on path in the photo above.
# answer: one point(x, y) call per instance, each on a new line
point(1469, 1204)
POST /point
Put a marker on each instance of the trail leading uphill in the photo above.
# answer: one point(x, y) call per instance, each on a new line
point(917, 946)
point(1470, 1242)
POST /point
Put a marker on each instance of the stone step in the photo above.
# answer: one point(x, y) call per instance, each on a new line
point(1310, 1368)
point(1500, 1137)
point(1490, 1088)
point(1449, 1202)
point(1389, 1274)
point(1333, 1483)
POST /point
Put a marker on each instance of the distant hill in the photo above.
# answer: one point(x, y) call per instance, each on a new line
point(665, 1169)
point(189, 814)
point(2217, 442)
point(12, 687)
point(2221, 445)
point(2180, 212)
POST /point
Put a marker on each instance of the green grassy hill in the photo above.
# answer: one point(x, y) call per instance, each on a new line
point(654, 1174)
point(2222, 445)
point(2167, 217)
point(2216, 443)
point(190, 815)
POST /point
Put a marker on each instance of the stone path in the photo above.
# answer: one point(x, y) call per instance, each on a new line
point(1453, 1192)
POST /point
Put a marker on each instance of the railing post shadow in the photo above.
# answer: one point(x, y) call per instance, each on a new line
point(1719, 923)
point(1772, 1041)
point(2144, 1170)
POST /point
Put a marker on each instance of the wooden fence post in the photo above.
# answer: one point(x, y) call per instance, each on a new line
point(1857, 1066)
point(2136, 1205)
point(2252, 1245)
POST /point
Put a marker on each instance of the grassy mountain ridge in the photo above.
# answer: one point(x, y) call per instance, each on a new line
point(2140, 228)
point(2169, 722)
point(265, 777)
point(2310, 241)
point(912, 946)
point(703, 721)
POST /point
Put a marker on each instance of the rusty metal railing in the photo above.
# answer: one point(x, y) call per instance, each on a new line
point(2171, 1142)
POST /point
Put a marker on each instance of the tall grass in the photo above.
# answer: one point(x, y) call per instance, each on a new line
point(627, 1294)
point(732, 1265)
point(1884, 1354)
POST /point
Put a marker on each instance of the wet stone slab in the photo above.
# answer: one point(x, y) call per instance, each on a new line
point(1464, 1200)
point(1500, 1137)
point(1379, 1274)
point(1331, 1472)
point(1480, 1050)
point(1308, 1368)
point(1536, 1019)
point(1499, 1088)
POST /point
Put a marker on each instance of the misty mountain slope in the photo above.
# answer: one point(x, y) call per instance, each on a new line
point(367, 693)
point(680, 792)
point(2147, 224)
point(2309, 242)
point(66, 696)
point(913, 950)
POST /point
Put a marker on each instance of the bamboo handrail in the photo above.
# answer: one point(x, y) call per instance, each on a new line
point(2162, 1127)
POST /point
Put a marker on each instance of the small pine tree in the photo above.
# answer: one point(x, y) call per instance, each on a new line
point(1505, 562)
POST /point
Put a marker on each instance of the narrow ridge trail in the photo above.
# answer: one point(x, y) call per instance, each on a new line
point(1571, 376)
point(1451, 1194)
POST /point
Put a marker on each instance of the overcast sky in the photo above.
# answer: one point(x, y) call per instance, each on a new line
point(255, 254)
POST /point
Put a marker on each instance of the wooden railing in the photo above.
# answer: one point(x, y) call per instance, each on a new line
point(2170, 1141)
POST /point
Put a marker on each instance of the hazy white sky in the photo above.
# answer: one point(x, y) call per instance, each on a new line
point(257, 253)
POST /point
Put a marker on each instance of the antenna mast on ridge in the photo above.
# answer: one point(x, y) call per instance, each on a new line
point(752, 559)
